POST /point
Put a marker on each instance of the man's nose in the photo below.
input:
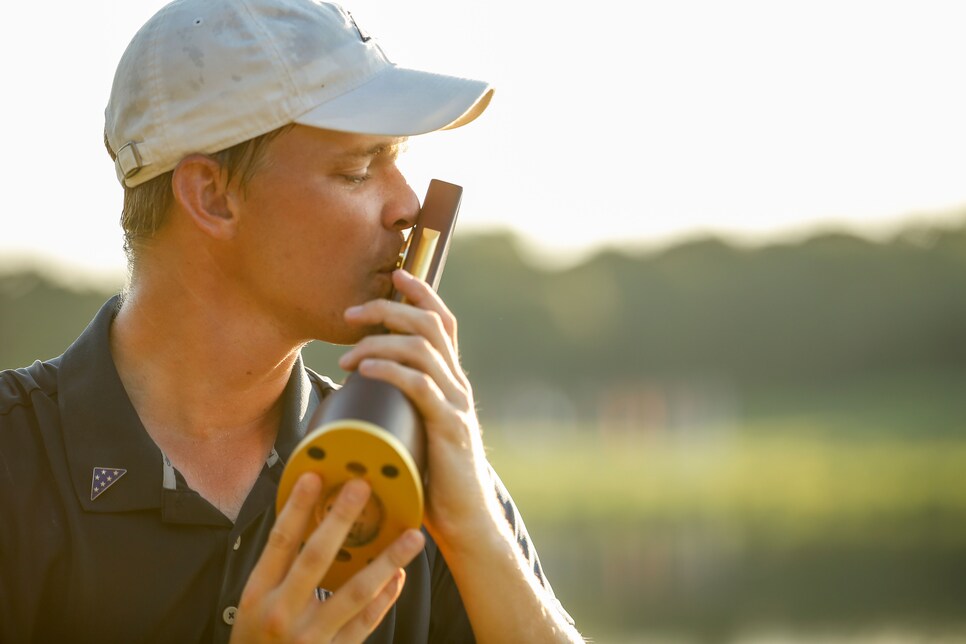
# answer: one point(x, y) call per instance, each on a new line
point(401, 205)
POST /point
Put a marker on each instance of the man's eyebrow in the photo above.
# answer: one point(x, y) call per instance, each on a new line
point(391, 150)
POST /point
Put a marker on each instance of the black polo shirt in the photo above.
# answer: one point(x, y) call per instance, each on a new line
point(100, 540)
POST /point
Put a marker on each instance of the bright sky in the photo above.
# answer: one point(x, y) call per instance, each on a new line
point(629, 123)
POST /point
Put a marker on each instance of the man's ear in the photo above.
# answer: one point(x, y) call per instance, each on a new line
point(200, 187)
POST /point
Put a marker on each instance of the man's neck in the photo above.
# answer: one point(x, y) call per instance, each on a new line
point(206, 381)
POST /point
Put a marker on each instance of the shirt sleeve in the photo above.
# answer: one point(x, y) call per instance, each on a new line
point(448, 620)
point(31, 532)
point(524, 542)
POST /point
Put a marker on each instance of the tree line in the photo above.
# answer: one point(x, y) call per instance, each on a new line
point(831, 307)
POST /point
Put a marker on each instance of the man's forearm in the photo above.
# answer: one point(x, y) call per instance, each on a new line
point(503, 597)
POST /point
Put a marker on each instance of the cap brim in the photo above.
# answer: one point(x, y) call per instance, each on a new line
point(402, 102)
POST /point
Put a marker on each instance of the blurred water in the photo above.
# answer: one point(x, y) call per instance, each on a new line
point(707, 583)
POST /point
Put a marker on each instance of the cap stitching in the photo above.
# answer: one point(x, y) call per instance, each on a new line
point(270, 43)
point(157, 105)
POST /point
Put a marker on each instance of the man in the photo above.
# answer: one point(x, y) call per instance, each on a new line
point(256, 141)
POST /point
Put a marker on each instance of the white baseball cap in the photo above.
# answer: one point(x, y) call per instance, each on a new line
point(204, 75)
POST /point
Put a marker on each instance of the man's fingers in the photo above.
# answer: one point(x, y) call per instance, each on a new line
point(419, 387)
point(422, 296)
point(424, 313)
point(358, 606)
point(398, 317)
point(411, 351)
point(286, 536)
point(278, 596)
point(320, 549)
point(360, 626)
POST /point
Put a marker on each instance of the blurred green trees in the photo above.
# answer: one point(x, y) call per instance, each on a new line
point(829, 314)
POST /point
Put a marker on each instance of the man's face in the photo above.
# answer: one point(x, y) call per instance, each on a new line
point(321, 226)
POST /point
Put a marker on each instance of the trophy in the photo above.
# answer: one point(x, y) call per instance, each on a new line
point(369, 429)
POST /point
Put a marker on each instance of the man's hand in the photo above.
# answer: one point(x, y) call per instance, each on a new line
point(279, 602)
point(421, 358)
point(463, 515)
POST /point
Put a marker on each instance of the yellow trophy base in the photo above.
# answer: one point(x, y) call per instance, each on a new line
point(349, 448)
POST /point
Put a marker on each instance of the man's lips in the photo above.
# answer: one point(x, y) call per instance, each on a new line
point(392, 263)
point(389, 267)
point(393, 260)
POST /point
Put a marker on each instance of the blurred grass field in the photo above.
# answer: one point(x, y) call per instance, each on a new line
point(723, 535)
point(787, 484)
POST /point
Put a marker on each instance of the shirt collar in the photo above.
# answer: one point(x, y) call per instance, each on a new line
point(299, 401)
point(102, 428)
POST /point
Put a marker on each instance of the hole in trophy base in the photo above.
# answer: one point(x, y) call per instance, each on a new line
point(366, 526)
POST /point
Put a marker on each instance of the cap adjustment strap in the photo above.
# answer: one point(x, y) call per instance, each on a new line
point(128, 162)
